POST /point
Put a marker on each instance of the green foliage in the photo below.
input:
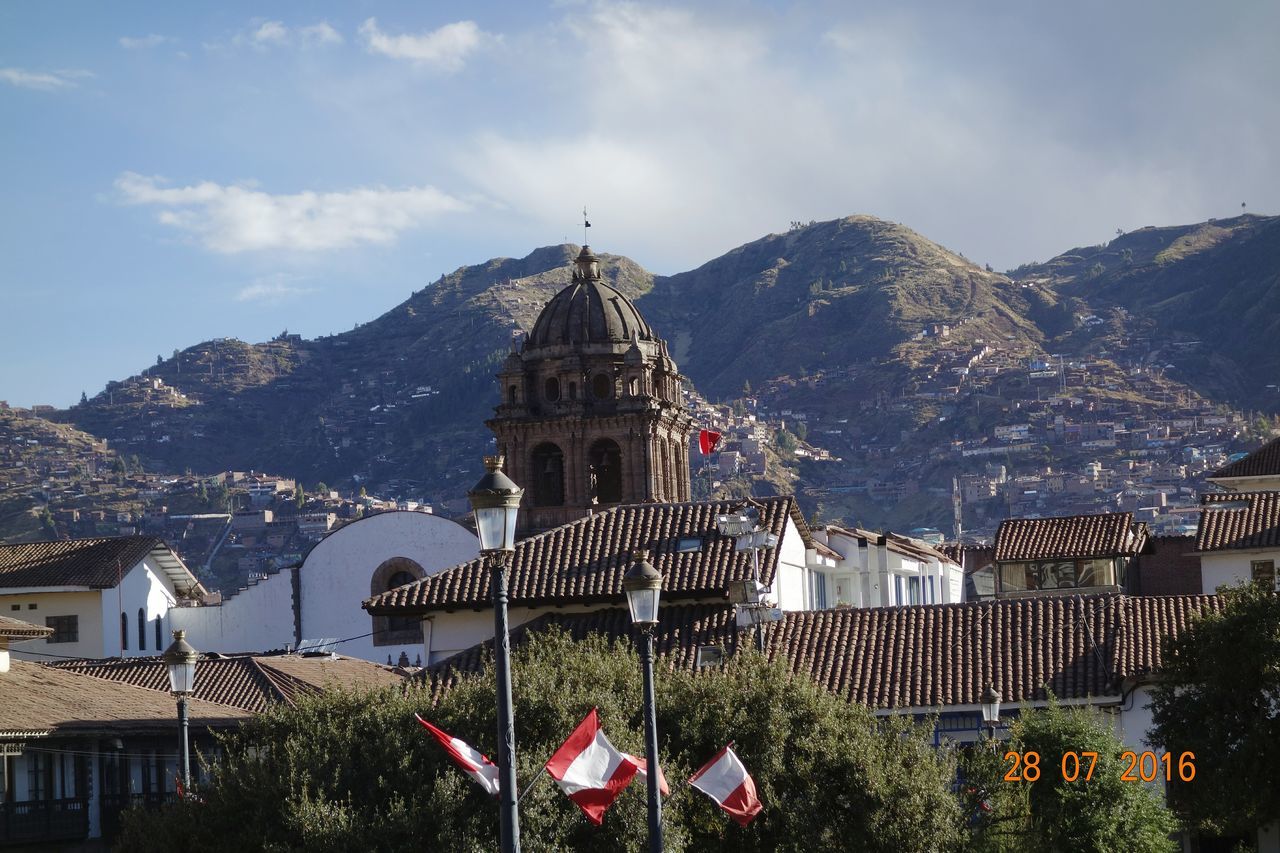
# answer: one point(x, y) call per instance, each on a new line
point(345, 772)
point(1100, 813)
point(786, 442)
point(1219, 697)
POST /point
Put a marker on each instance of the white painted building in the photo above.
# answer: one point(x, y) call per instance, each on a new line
point(104, 597)
point(870, 569)
point(321, 598)
point(1236, 539)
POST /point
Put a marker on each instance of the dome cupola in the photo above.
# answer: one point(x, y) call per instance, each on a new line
point(588, 311)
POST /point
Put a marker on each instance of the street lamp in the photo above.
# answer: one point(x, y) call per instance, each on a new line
point(181, 659)
point(643, 585)
point(495, 502)
point(743, 525)
point(991, 712)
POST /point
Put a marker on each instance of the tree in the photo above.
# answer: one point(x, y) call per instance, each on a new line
point(1219, 697)
point(300, 497)
point(1096, 812)
point(344, 771)
point(84, 398)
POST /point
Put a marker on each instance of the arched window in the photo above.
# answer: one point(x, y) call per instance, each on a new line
point(124, 632)
point(573, 390)
point(548, 475)
point(159, 633)
point(142, 630)
point(602, 386)
point(604, 463)
point(633, 387)
point(395, 630)
point(551, 389)
point(512, 395)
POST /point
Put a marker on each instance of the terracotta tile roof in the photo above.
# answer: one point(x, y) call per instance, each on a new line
point(1238, 520)
point(95, 563)
point(920, 657)
point(250, 682)
point(584, 561)
point(39, 699)
point(1263, 462)
point(16, 629)
point(1064, 537)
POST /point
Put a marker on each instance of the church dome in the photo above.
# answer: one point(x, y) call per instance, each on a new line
point(588, 311)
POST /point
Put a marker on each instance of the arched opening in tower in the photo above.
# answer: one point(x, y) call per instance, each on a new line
point(548, 473)
point(605, 466)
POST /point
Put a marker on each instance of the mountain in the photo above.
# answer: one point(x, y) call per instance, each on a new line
point(1210, 290)
point(855, 319)
point(825, 297)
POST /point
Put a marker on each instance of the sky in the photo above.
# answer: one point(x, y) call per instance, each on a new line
point(175, 172)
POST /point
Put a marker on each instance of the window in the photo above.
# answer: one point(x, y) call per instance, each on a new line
point(709, 656)
point(930, 596)
point(689, 545)
point(142, 629)
point(395, 630)
point(124, 632)
point(547, 463)
point(819, 591)
point(66, 629)
point(15, 606)
point(633, 387)
point(159, 633)
point(602, 386)
point(897, 590)
point(512, 395)
point(913, 590)
point(605, 472)
point(1263, 572)
point(551, 389)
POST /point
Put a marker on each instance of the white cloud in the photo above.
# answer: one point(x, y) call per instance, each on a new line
point(446, 48)
point(270, 32)
point(263, 34)
point(271, 289)
point(43, 80)
point(320, 34)
point(140, 42)
point(240, 218)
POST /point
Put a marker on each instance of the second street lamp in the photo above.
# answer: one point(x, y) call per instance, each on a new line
point(991, 712)
point(180, 658)
point(495, 502)
point(643, 585)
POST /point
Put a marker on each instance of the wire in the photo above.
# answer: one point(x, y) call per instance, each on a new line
point(88, 660)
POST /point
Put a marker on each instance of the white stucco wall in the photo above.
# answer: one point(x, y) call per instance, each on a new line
point(334, 580)
point(1231, 568)
point(792, 583)
point(256, 620)
point(336, 574)
point(85, 605)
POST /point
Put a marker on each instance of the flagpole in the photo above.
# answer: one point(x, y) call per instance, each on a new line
point(529, 787)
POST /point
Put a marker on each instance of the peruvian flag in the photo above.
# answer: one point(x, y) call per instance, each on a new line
point(726, 781)
point(642, 770)
point(590, 770)
point(707, 441)
point(483, 771)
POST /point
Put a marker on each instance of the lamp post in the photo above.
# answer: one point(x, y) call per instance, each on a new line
point(991, 712)
point(643, 585)
point(181, 659)
point(744, 526)
point(495, 502)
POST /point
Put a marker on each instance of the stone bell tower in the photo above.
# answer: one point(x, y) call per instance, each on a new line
point(592, 413)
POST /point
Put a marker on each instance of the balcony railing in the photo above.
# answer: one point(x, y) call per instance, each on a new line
point(44, 820)
point(115, 805)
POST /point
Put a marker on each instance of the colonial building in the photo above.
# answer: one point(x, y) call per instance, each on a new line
point(591, 412)
point(104, 597)
point(1238, 539)
point(320, 599)
point(1257, 472)
point(1065, 554)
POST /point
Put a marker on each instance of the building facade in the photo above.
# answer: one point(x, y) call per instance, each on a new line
point(591, 412)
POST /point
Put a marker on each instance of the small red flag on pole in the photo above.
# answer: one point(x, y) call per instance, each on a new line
point(707, 441)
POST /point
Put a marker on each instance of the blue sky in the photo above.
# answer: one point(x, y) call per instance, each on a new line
point(174, 172)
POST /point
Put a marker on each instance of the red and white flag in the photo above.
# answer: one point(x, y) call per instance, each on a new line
point(642, 770)
point(590, 770)
point(707, 441)
point(472, 761)
point(726, 781)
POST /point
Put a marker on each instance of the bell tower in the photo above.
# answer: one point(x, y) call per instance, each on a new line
point(591, 412)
